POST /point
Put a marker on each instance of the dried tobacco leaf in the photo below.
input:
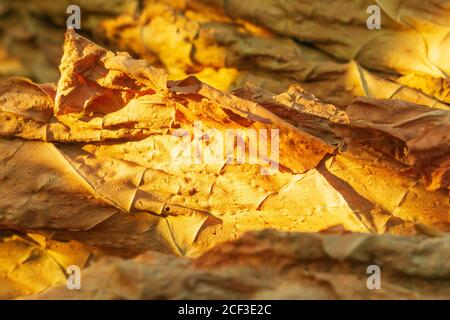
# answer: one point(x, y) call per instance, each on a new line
point(96, 160)
point(188, 38)
point(273, 265)
point(193, 42)
point(30, 263)
point(412, 29)
point(129, 192)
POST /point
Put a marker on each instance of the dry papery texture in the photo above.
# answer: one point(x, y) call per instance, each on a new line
point(272, 44)
point(274, 265)
point(30, 263)
point(94, 163)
